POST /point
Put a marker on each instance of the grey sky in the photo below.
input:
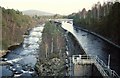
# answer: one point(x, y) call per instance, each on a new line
point(52, 6)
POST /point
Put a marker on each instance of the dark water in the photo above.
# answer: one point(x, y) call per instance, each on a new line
point(96, 46)
point(24, 58)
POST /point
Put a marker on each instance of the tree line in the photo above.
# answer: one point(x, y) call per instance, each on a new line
point(14, 25)
point(102, 19)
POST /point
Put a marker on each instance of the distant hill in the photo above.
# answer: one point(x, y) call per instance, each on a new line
point(36, 12)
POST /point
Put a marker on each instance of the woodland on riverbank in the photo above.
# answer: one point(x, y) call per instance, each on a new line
point(102, 19)
point(14, 26)
point(52, 51)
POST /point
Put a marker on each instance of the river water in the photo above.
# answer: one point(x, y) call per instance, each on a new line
point(23, 59)
point(96, 46)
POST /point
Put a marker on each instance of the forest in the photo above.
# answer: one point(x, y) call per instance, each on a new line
point(14, 25)
point(101, 19)
point(52, 51)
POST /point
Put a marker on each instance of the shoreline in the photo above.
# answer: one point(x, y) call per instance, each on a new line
point(13, 46)
point(3, 53)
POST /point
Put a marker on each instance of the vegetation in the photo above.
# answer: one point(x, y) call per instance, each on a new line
point(103, 20)
point(52, 50)
point(45, 18)
point(14, 25)
point(52, 40)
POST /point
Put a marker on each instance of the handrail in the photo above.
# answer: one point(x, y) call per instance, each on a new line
point(110, 72)
point(97, 60)
point(100, 62)
point(114, 74)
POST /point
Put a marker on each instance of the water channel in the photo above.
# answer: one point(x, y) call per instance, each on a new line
point(23, 58)
point(95, 46)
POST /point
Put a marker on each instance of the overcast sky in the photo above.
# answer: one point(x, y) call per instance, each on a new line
point(53, 6)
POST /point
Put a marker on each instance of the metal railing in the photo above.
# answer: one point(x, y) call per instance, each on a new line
point(97, 61)
point(110, 73)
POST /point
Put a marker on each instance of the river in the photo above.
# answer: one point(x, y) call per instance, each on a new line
point(93, 45)
point(23, 59)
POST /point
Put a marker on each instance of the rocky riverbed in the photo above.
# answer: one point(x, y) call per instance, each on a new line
point(20, 62)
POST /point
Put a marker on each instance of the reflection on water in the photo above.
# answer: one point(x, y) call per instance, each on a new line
point(24, 57)
point(95, 46)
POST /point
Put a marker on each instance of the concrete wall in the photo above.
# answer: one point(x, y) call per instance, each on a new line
point(86, 70)
point(95, 71)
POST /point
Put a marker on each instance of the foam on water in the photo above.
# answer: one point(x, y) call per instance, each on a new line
point(14, 60)
point(25, 55)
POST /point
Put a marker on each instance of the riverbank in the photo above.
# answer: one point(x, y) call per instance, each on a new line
point(21, 61)
point(13, 46)
point(51, 60)
point(3, 53)
point(55, 50)
point(14, 26)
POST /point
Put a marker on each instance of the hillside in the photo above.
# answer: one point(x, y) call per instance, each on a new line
point(36, 12)
point(14, 25)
